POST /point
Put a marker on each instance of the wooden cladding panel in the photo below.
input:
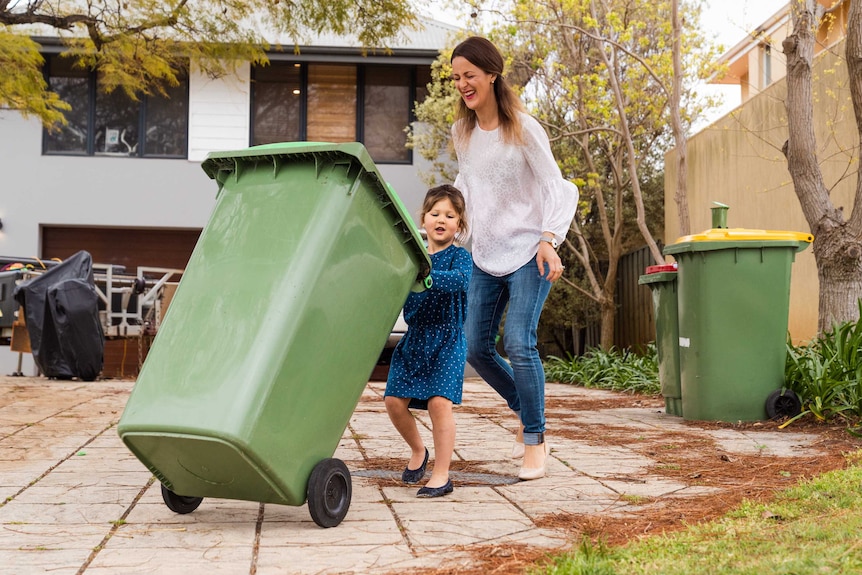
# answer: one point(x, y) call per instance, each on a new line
point(331, 103)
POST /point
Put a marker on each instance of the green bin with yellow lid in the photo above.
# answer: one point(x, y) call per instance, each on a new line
point(733, 289)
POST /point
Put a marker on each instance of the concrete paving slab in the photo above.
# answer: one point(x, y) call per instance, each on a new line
point(188, 536)
point(210, 560)
point(361, 559)
point(42, 561)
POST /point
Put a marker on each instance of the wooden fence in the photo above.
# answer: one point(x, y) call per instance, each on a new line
point(634, 325)
point(635, 321)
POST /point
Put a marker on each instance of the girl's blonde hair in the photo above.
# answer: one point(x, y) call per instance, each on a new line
point(453, 194)
point(482, 53)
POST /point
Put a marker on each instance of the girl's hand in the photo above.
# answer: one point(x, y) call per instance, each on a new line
point(548, 255)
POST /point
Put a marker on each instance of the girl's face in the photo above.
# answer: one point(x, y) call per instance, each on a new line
point(441, 223)
point(473, 83)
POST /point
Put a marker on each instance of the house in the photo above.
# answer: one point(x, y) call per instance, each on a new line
point(757, 61)
point(124, 181)
point(738, 160)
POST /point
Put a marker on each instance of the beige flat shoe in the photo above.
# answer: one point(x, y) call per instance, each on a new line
point(529, 473)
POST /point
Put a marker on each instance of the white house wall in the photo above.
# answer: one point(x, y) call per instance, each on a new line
point(219, 112)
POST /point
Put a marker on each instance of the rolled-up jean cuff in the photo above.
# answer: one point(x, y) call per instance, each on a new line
point(534, 438)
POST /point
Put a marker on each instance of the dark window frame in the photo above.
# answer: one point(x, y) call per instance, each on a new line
point(90, 144)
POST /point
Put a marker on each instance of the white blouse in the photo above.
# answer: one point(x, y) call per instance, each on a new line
point(513, 194)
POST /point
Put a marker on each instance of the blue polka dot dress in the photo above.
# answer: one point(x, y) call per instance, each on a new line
point(430, 358)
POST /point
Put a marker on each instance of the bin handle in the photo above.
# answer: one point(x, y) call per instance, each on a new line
point(423, 279)
point(356, 182)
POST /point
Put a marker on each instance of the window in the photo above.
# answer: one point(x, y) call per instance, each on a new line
point(423, 78)
point(73, 87)
point(766, 64)
point(114, 124)
point(277, 103)
point(387, 112)
point(319, 102)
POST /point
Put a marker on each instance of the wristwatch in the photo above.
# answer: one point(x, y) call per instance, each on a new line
point(552, 241)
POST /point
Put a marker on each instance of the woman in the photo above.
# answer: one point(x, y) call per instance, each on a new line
point(519, 210)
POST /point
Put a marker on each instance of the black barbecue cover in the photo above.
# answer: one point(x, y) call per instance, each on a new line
point(61, 308)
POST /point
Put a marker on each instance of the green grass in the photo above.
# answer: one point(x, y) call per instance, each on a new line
point(812, 528)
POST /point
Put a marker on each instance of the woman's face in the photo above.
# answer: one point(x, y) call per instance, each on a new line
point(474, 84)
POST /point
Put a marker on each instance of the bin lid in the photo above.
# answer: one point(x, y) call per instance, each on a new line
point(661, 268)
point(722, 239)
point(221, 165)
point(659, 274)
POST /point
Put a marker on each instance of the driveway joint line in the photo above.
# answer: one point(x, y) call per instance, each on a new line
point(115, 525)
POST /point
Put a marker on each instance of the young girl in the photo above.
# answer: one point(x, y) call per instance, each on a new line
point(520, 209)
point(427, 368)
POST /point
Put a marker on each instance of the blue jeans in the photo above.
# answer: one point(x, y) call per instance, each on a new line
point(521, 380)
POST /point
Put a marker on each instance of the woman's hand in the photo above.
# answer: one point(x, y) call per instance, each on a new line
point(548, 255)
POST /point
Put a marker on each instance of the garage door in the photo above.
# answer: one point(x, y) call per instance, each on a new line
point(129, 247)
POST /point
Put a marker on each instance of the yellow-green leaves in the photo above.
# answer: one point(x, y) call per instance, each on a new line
point(26, 90)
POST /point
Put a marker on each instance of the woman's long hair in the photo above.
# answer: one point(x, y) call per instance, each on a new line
point(482, 53)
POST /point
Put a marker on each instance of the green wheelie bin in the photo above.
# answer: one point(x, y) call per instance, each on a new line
point(733, 304)
point(661, 279)
point(276, 325)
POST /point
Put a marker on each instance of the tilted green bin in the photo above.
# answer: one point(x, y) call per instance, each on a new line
point(661, 280)
point(276, 325)
point(734, 301)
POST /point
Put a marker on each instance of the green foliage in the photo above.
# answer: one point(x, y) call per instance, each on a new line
point(616, 370)
point(142, 46)
point(27, 90)
point(827, 373)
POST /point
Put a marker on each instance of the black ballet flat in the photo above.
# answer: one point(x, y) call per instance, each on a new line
point(411, 476)
point(435, 491)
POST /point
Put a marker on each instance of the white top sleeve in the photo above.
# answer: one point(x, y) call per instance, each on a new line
point(513, 194)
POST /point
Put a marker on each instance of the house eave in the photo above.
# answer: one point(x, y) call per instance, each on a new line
point(737, 55)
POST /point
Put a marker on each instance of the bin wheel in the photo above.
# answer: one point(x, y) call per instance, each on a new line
point(783, 403)
point(180, 503)
point(329, 492)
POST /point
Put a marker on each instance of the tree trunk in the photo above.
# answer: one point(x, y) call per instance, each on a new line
point(681, 197)
point(609, 312)
point(614, 75)
point(607, 302)
point(837, 248)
